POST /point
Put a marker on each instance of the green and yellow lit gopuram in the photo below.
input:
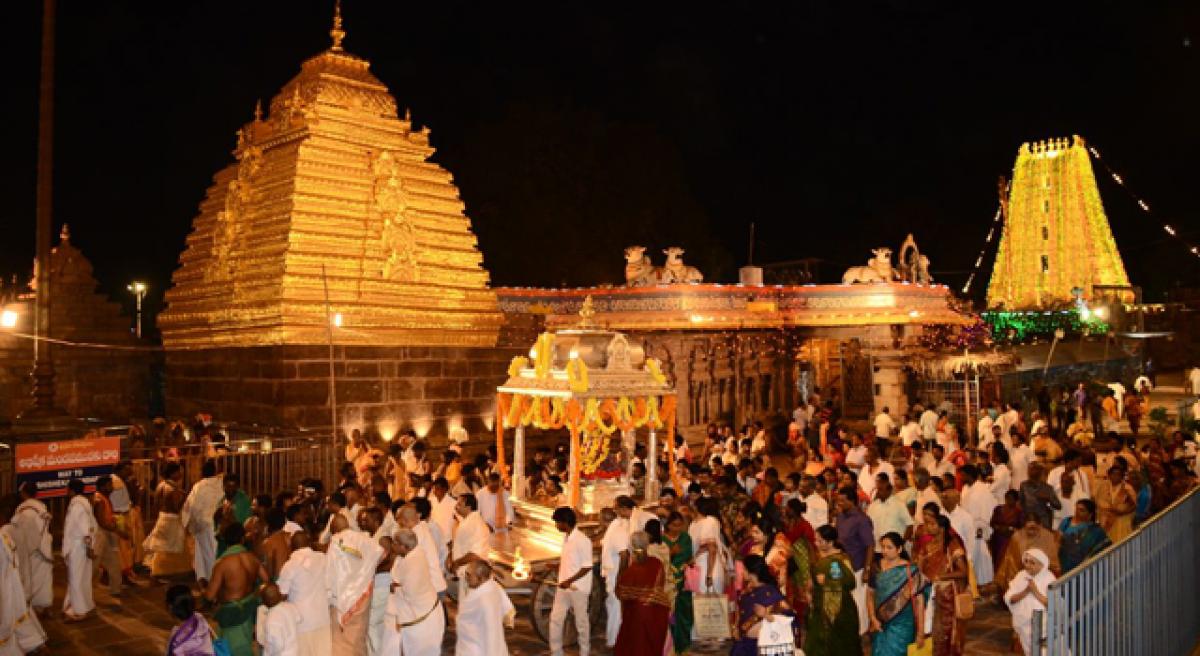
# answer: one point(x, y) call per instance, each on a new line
point(1056, 236)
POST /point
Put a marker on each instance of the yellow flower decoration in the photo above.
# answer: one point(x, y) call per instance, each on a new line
point(543, 355)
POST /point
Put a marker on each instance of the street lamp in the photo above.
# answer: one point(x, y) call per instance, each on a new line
point(8, 319)
point(139, 291)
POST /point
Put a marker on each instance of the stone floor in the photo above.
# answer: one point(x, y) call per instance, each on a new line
point(140, 627)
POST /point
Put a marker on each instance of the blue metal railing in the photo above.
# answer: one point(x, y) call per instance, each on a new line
point(1138, 596)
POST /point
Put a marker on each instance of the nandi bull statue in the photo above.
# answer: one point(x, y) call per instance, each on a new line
point(878, 269)
point(639, 272)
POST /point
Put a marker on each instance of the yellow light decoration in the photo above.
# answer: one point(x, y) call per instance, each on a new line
point(1056, 236)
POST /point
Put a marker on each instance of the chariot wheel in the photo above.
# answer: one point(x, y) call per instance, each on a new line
point(543, 599)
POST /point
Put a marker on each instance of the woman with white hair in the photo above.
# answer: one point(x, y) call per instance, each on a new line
point(1027, 593)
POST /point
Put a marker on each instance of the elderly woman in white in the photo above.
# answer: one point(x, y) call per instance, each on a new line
point(1027, 593)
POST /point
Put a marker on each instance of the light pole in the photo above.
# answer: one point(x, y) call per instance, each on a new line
point(139, 292)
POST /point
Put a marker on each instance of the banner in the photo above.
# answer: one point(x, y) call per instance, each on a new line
point(50, 465)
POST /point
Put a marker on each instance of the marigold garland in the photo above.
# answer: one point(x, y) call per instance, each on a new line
point(595, 452)
point(518, 363)
point(577, 375)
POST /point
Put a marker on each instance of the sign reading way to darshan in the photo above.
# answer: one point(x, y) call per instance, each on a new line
point(50, 465)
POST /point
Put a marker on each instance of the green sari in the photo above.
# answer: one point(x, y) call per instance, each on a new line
point(682, 618)
point(833, 620)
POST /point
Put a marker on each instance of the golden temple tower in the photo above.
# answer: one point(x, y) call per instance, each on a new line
point(1056, 235)
point(332, 194)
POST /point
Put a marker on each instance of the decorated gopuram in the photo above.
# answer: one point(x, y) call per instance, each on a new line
point(1056, 245)
point(333, 249)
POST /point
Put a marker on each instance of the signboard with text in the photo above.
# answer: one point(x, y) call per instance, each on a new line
point(50, 465)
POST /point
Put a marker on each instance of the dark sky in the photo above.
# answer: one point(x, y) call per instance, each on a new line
point(574, 129)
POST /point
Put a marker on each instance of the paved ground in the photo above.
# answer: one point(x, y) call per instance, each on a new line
point(141, 627)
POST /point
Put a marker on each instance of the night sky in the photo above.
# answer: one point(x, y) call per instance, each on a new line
point(575, 129)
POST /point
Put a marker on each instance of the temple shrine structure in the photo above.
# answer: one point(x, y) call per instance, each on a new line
point(1056, 237)
point(332, 278)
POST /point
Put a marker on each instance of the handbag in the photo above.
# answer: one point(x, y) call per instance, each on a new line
point(775, 637)
point(964, 604)
point(711, 613)
point(927, 650)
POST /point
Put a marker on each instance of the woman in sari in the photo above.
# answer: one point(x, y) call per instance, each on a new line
point(1082, 537)
point(640, 589)
point(833, 621)
point(800, 534)
point(680, 545)
point(895, 600)
point(193, 636)
point(760, 600)
point(942, 559)
point(1031, 536)
point(1116, 502)
point(1006, 520)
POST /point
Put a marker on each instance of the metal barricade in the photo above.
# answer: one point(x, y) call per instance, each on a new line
point(1137, 597)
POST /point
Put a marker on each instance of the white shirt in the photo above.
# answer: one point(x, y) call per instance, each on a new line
point(929, 420)
point(866, 477)
point(884, 425)
point(576, 555)
point(328, 532)
point(80, 524)
point(929, 495)
point(1054, 480)
point(291, 528)
point(415, 593)
point(856, 457)
point(638, 520)
point(488, 505)
point(1001, 482)
point(941, 468)
point(479, 625)
point(910, 433)
point(120, 496)
point(302, 579)
point(984, 428)
point(979, 502)
point(888, 516)
point(616, 540)
point(1018, 460)
point(202, 502)
point(427, 545)
point(471, 537)
point(442, 513)
point(816, 510)
point(278, 633)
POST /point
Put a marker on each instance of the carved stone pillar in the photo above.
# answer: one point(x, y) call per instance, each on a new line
point(652, 467)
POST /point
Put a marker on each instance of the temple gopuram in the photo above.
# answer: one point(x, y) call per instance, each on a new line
point(1056, 236)
point(332, 270)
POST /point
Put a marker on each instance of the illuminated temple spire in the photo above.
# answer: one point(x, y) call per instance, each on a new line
point(337, 33)
point(331, 180)
point(1056, 236)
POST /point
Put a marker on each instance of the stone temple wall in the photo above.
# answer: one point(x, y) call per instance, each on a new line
point(386, 389)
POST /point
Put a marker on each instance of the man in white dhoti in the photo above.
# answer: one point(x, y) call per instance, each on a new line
point(574, 584)
point(20, 630)
point(278, 625)
point(197, 515)
point(349, 574)
point(495, 506)
point(79, 531)
point(977, 500)
point(410, 519)
point(370, 520)
point(483, 615)
point(415, 623)
point(614, 549)
point(442, 508)
point(35, 550)
point(302, 579)
point(167, 542)
point(470, 541)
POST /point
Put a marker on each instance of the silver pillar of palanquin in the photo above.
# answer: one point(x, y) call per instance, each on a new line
point(627, 449)
point(652, 467)
point(518, 477)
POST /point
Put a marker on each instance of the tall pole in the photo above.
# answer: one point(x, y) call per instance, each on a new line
point(43, 365)
point(332, 374)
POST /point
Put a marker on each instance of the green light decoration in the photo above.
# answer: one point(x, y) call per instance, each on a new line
point(1041, 323)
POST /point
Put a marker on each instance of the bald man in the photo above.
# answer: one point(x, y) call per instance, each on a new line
point(349, 576)
point(483, 614)
point(278, 627)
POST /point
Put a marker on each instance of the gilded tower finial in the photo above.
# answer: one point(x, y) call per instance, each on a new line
point(586, 313)
point(65, 234)
point(258, 111)
point(337, 33)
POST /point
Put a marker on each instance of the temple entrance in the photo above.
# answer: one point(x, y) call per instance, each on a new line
point(857, 387)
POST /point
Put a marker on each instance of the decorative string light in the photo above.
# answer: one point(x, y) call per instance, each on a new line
point(983, 251)
point(1142, 204)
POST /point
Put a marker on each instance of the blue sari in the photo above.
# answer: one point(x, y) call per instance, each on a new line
point(894, 591)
